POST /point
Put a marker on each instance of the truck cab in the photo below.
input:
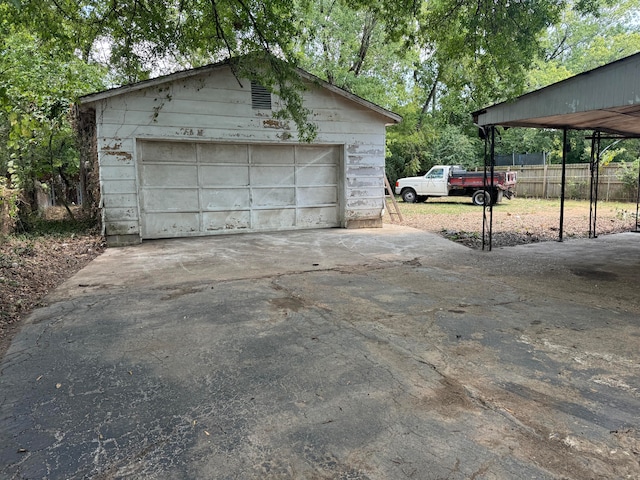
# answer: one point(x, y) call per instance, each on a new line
point(435, 183)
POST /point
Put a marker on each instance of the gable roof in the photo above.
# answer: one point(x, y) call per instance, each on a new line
point(606, 99)
point(95, 97)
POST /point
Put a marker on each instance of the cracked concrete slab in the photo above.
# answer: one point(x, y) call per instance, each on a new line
point(359, 354)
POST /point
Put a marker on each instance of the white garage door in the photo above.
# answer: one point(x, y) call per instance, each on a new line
point(206, 188)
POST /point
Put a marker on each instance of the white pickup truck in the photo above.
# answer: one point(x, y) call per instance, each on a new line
point(453, 180)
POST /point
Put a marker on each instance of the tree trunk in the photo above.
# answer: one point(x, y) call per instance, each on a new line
point(367, 31)
point(63, 197)
point(430, 97)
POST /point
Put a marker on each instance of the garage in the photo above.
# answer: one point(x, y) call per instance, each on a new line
point(191, 188)
point(206, 152)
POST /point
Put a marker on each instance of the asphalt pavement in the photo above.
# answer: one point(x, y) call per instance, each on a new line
point(331, 354)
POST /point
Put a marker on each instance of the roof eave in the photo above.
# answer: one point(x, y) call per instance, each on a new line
point(124, 89)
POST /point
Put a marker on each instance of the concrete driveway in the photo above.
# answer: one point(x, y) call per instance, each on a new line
point(335, 354)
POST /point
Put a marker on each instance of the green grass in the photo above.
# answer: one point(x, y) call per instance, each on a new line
point(54, 222)
point(61, 227)
point(516, 206)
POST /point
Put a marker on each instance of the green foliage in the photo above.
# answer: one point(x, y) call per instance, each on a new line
point(349, 48)
point(578, 148)
point(39, 80)
point(589, 36)
point(434, 61)
point(405, 150)
point(486, 47)
point(525, 140)
point(628, 174)
point(285, 83)
point(411, 151)
point(24, 250)
point(34, 225)
point(627, 150)
point(453, 147)
point(576, 190)
point(138, 38)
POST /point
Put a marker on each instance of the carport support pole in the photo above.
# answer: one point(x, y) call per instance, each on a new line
point(564, 181)
point(638, 202)
point(595, 181)
point(487, 227)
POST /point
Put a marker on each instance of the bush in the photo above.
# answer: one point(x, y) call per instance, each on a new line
point(628, 174)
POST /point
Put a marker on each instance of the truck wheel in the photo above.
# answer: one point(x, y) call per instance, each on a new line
point(421, 198)
point(480, 198)
point(409, 195)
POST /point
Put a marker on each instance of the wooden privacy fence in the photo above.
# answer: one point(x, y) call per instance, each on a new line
point(544, 181)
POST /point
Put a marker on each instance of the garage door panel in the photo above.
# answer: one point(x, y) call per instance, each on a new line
point(170, 200)
point(159, 225)
point(317, 175)
point(263, 176)
point(168, 151)
point(275, 219)
point(317, 195)
point(278, 154)
point(226, 221)
point(221, 153)
point(224, 175)
point(169, 175)
point(317, 217)
point(205, 188)
point(225, 199)
point(315, 155)
point(273, 197)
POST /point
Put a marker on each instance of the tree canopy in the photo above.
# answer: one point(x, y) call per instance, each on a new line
point(433, 61)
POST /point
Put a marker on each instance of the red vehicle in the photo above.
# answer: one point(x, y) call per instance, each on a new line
point(453, 180)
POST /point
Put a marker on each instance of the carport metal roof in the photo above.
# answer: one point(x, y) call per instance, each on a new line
point(605, 99)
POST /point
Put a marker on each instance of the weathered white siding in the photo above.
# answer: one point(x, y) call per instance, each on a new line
point(214, 107)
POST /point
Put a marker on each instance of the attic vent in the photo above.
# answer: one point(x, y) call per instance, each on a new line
point(260, 97)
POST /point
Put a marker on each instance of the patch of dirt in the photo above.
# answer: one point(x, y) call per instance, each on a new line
point(30, 267)
point(518, 228)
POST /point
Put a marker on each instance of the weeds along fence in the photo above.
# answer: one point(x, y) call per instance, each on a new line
point(544, 181)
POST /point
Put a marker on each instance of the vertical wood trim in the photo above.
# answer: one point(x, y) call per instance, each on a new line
point(135, 155)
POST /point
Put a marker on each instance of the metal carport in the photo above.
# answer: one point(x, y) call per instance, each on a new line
point(605, 100)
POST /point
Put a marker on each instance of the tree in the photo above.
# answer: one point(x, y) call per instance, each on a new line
point(579, 41)
point(137, 36)
point(436, 59)
point(582, 41)
point(350, 49)
point(443, 57)
point(39, 81)
point(480, 49)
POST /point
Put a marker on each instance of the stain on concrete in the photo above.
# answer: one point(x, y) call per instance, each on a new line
point(387, 363)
